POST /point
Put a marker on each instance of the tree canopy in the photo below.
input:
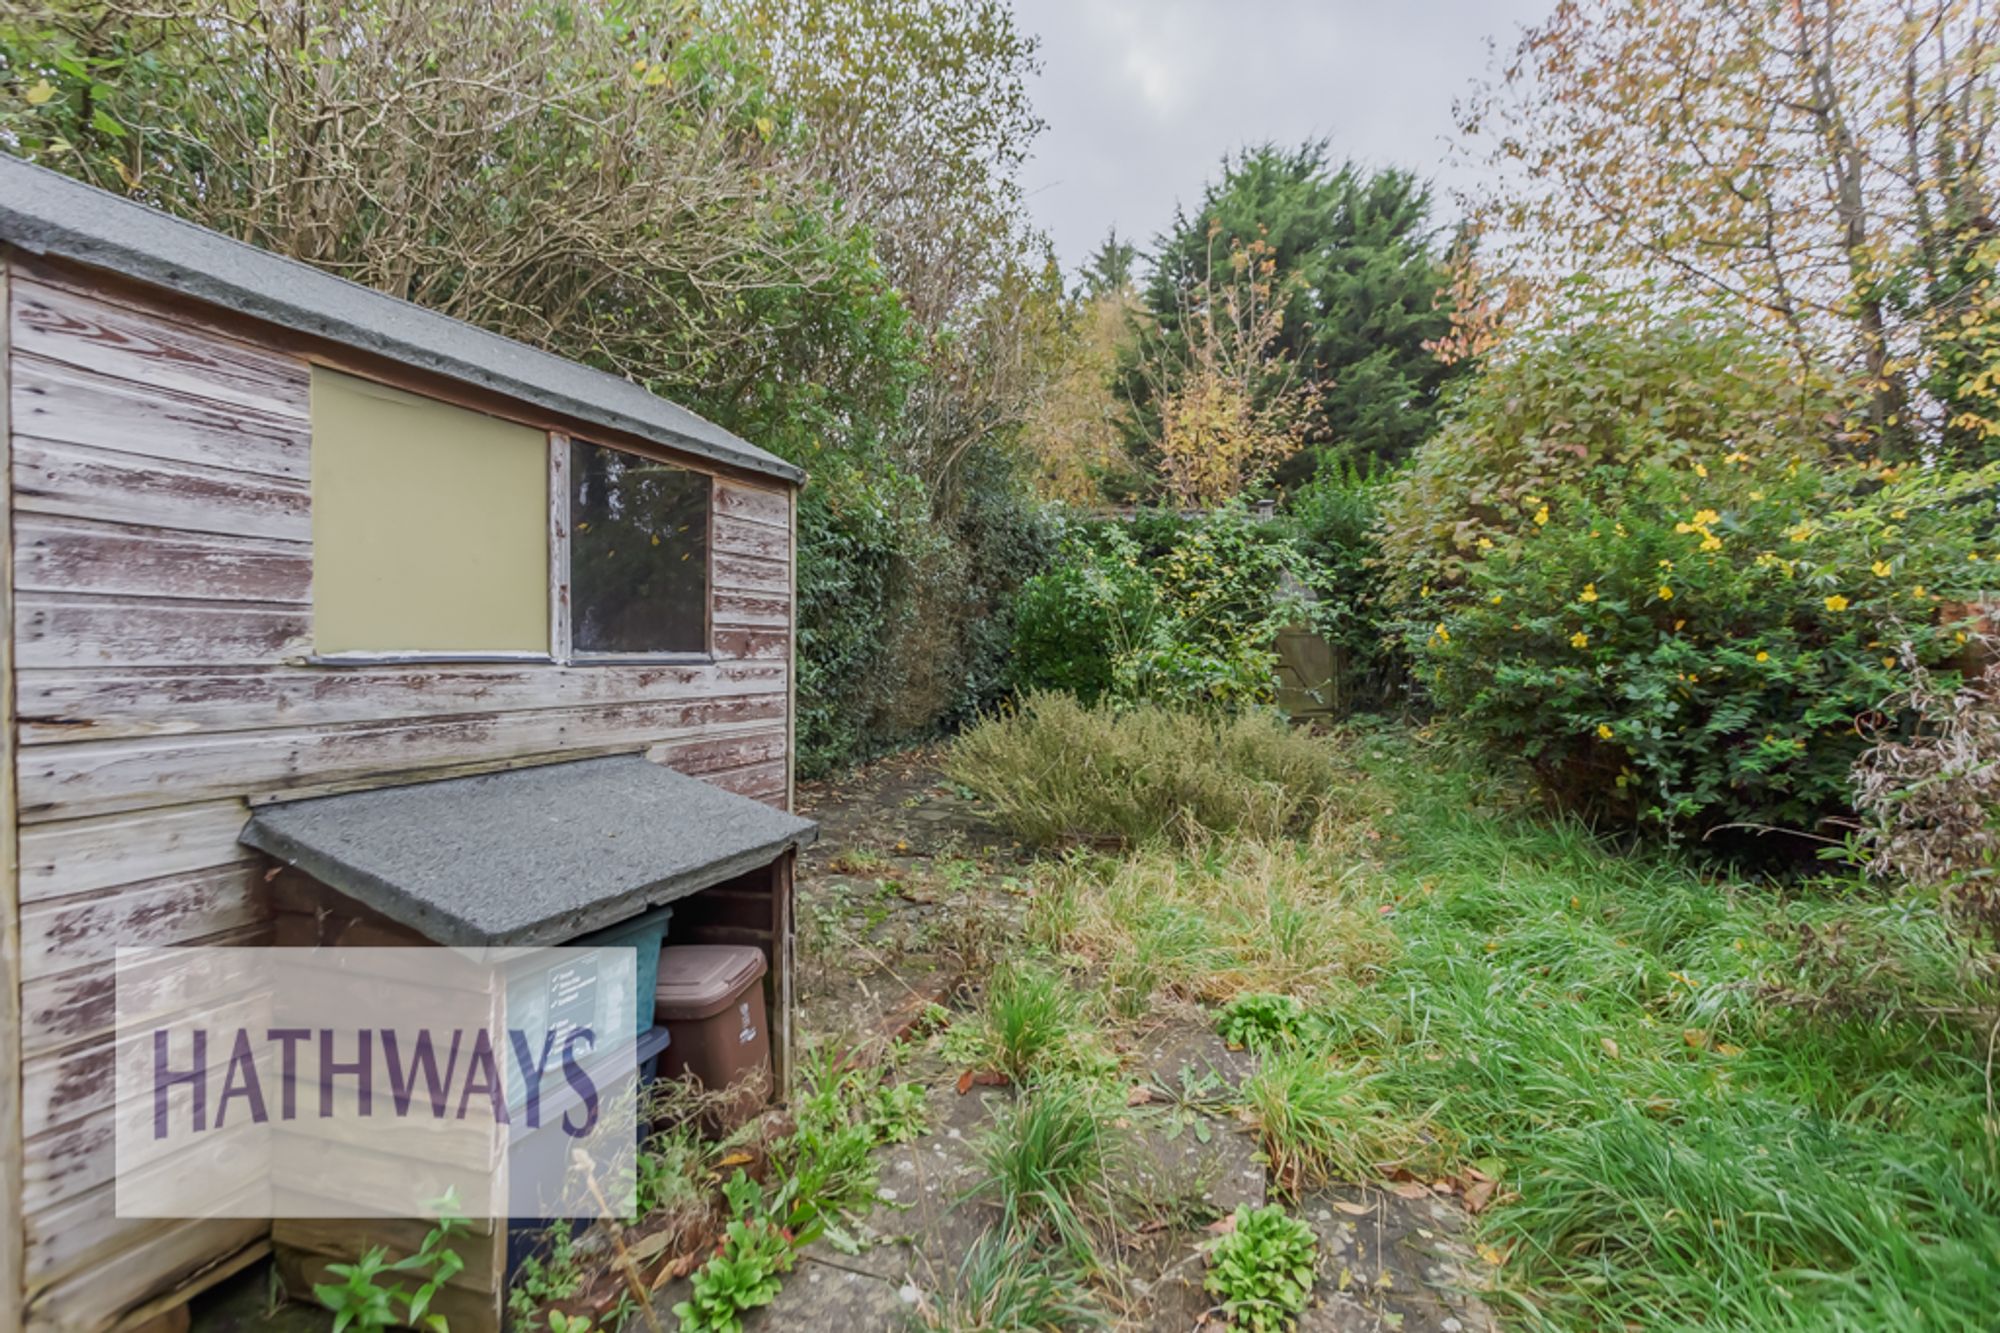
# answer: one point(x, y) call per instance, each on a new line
point(1357, 279)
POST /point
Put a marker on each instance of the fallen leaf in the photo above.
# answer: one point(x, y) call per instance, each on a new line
point(1222, 1226)
point(648, 1247)
point(737, 1158)
point(1610, 1047)
point(1478, 1195)
point(1410, 1189)
point(965, 1083)
point(1353, 1209)
point(1139, 1096)
point(1490, 1255)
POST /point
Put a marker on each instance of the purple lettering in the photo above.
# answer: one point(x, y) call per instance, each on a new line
point(164, 1079)
point(244, 1063)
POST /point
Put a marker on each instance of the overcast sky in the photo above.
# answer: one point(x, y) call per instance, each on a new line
point(1143, 97)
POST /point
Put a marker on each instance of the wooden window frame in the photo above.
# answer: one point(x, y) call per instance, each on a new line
point(562, 645)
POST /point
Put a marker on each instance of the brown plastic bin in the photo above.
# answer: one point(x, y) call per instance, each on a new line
point(711, 998)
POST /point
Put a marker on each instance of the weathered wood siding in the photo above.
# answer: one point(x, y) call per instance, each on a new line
point(162, 586)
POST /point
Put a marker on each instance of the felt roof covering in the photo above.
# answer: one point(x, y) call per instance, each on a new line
point(529, 856)
point(46, 213)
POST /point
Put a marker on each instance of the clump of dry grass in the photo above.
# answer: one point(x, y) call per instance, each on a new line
point(1234, 916)
point(1055, 771)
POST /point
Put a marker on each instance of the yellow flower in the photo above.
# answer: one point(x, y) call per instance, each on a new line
point(1710, 542)
point(1802, 533)
point(1424, 591)
point(1589, 593)
point(1495, 599)
point(1880, 568)
point(1888, 661)
point(1603, 732)
point(1756, 495)
point(1704, 517)
point(1666, 593)
point(1836, 603)
point(1900, 514)
point(1918, 592)
point(1666, 564)
point(1763, 656)
point(1485, 543)
point(1701, 469)
point(1542, 516)
point(1579, 640)
point(1441, 634)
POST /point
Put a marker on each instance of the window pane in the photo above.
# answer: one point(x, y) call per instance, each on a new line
point(638, 554)
point(430, 525)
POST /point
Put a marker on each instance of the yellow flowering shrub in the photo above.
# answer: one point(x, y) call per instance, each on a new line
point(1678, 613)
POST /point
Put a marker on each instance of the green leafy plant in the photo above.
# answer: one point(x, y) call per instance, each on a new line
point(1262, 1269)
point(746, 1272)
point(900, 1112)
point(1258, 1021)
point(1192, 626)
point(541, 1279)
point(360, 1301)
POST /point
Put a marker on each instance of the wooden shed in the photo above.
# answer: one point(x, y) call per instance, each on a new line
point(275, 537)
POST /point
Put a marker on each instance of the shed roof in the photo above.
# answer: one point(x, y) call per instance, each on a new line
point(531, 856)
point(44, 212)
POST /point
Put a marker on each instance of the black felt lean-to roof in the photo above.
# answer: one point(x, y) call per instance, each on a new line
point(530, 856)
point(45, 213)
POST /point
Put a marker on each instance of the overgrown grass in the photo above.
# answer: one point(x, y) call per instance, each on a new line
point(1004, 1288)
point(1234, 915)
point(1323, 1119)
point(1056, 771)
point(1053, 1161)
point(1030, 1022)
point(1710, 1104)
point(1707, 1102)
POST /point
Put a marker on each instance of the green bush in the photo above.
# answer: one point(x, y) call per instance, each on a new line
point(1681, 614)
point(1191, 624)
point(1333, 522)
point(1058, 770)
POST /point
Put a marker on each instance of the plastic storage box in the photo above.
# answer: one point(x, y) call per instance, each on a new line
point(711, 998)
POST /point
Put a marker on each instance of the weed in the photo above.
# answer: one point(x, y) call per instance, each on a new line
point(1262, 1269)
point(1189, 1101)
point(1322, 1120)
point(540, 1281)
point(899, 1113)
point(1259, 1021)
point(1050, 1160)
point(358, 1301)
point(1030, 1022)
point(1057, 771)
point(1001, 1288)
point(746, 1272)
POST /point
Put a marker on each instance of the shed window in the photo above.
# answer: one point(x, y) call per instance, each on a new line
point(638, 549)
point(430, 525)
